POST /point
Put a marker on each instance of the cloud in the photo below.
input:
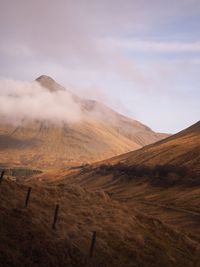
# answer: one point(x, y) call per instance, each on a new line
point(16, 50)
point(21, 101)
point(155, 46)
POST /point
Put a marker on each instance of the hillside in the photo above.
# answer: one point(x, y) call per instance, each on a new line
point(181, 149)
point(160, 180)
point(100, 133)
point(124, 237)
point(174, 160)
point(144, 215)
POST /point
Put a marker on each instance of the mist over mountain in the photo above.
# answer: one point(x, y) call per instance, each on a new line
point(21, 101)
point(44, 124)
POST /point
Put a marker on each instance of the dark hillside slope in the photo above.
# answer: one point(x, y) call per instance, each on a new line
point(124, 238)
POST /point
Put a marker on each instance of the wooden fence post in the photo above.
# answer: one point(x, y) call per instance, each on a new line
point(93, 243)
point(27, 197)
point(1, 177)
point(55, 217)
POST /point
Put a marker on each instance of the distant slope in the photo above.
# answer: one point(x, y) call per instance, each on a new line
point(174, 161)
point(181, 149)
point(167, 171)
point(101, 134)
point(43, 145)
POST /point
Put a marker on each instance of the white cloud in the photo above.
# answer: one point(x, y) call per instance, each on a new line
point(20, 101)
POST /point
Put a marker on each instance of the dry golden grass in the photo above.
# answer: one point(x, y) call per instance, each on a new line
point(139, 222)
point(37, 145)
point(125, 237)
point(182, 149)
point(172, 199)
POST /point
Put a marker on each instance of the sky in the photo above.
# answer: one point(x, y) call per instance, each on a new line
point(140, 57)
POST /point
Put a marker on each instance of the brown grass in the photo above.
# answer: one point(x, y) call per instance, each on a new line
point(139, 222)
point(124, 237)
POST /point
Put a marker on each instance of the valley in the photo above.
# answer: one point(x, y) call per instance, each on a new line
point(99, 133)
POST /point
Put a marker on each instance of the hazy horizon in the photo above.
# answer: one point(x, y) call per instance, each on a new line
point(141, 58)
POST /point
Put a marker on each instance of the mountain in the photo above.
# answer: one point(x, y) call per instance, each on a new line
point(101, 133)
point(49, 83)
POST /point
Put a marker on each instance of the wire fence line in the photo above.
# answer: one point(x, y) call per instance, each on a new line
point(55, 217)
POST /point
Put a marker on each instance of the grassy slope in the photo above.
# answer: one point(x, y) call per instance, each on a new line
point(180, 149)
point(177, 204)
point(124, 237)
point(50, 147)
point(138, 223)
point(37, 145)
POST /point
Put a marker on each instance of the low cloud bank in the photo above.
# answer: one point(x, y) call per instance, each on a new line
point(21, 101)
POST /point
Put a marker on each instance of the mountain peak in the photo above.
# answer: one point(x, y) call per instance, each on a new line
point(49, 83)
point(44, 78)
